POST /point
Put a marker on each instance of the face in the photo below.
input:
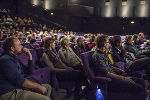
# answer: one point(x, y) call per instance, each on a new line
point(17, 47)
point(67, 45)
point(106, 44)
point(131, 41)
point(81, 42)
point(52, 45)
point(119, 44)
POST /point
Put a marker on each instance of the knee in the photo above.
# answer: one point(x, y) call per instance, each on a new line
point(46, 98)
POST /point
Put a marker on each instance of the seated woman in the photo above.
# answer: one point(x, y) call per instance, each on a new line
point(51, 58)
point(91, 43)
point(119, 54)
point(67, 55)
point(63, 72)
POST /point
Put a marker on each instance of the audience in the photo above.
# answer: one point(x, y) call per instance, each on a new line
point(66, 65)
point(133, 65)
point(102, 67)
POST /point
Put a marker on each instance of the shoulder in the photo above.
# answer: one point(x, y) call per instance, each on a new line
point(5, 58)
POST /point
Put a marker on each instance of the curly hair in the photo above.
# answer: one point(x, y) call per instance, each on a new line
point(100, 40)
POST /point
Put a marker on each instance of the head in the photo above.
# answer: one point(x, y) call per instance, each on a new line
point(72, 39)
point(116, 41)
point(49, 43)
point(65, 43)
point(80, 41)
point(102, 42)
point(92, 39)
point(33, 41)
point(61, 37)
point(141, 34)
point(12, 45)
point(136, 38)
point(129, 39)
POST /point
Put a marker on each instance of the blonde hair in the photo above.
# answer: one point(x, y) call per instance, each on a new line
point(64, 42)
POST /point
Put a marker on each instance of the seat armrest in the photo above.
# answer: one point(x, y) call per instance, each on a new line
point(102, 79)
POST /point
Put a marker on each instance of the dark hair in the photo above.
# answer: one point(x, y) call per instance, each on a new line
point(100, 40)
point(8, 43)
point(127, 38)
point(115, 40)
point(92, 38)
point(72, 39)
point(61, 37)
point(135, 37)
point(32, 41)
point(79, 38)
point(47, 42)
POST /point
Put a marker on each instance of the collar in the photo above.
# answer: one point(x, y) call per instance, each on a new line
point(100, 52)
point(10, 54)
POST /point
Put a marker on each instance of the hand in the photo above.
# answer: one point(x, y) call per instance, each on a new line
point(43, 89)
point(128, 79)
point(27, 51)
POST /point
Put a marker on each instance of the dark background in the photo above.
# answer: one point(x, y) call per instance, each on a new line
point(86, 15)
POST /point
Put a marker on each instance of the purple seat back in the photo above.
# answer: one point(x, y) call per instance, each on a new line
point(1, 50)
point(39, 52)
point(24, 58)
point(86, 59)
point(42, 75)
point(1, 43)
point(57, 48)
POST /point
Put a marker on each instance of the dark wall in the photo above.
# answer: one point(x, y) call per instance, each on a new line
point(117, 25)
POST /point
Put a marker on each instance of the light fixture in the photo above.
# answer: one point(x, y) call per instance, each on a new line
point(142, 2)
point(52, 14)
point(124, 2)
point(107, 2)
point(132, 22)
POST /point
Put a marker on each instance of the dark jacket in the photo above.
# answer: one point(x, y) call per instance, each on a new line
point(101, 63)
point(118, 55)
point(12, 73)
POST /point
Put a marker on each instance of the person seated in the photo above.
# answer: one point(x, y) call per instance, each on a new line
point(142, 38)
point(33, 44)
point(119, 54)
point(51, 58)
point(137, 43)
point(91, 43)
point(12, 74)
point(67, 55)
point(103, 68)
point(130, 47)
point(80, 47)
point(72, 40)
point(63, 72)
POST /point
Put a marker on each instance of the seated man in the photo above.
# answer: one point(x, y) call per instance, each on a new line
point(80, 47)
point(133, 64)
point(12, 75)
point(103, 67)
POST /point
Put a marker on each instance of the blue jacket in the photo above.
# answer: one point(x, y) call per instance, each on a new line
point(12, 73)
